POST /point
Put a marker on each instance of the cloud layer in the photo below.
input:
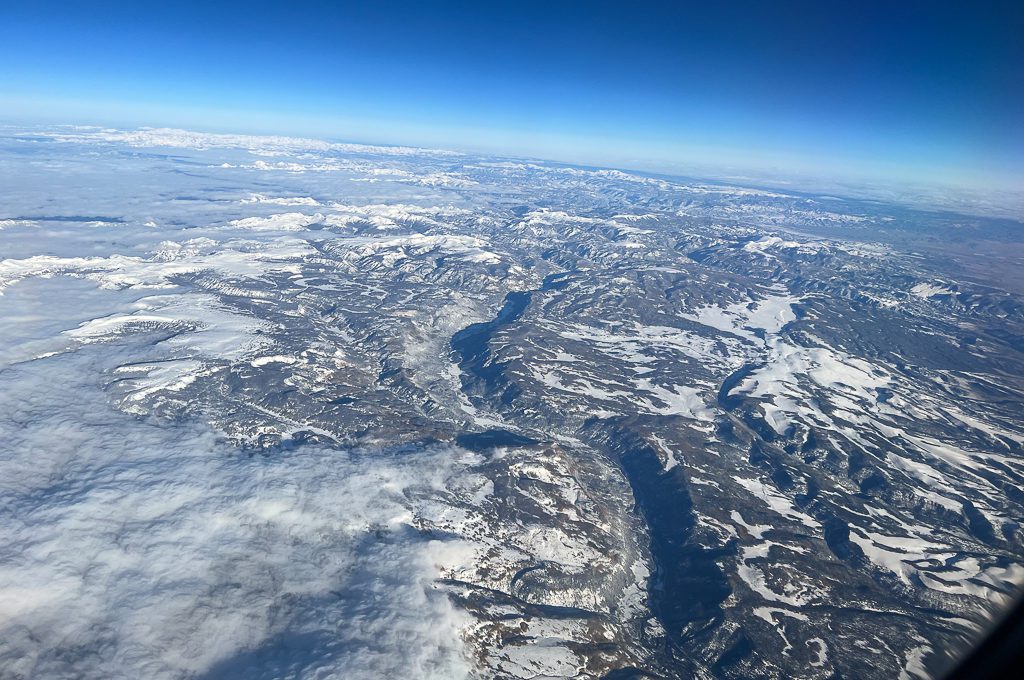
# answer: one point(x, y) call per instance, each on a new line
point(133, 548)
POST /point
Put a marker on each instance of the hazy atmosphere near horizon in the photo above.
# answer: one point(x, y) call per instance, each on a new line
point(917, 91)
point(509, 340)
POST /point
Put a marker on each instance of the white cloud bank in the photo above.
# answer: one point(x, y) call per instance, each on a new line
point(266, 144)
point(136, 549)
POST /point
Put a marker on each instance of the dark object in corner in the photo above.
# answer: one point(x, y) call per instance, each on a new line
point(998, 655)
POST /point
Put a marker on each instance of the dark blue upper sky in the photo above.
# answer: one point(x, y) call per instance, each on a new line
point(916, 90)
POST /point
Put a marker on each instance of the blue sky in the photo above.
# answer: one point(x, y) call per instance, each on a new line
point(922, 91)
